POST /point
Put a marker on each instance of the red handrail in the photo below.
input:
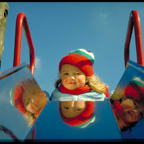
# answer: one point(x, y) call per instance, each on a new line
point(134, 21)
point(22, 21)
point(34, 133)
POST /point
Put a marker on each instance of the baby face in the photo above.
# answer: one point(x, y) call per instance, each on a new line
point(72, 77)
point(132, 110)
point(71, 109)
point(33, 98)
point(34, 103)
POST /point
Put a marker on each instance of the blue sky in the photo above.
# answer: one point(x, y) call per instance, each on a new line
point(59, 27)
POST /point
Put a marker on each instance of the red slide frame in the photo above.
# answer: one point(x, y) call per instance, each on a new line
point(134, 21)
point(22, 21)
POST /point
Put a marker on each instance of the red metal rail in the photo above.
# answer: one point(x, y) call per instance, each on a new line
point(22, 21)
point(134, 21)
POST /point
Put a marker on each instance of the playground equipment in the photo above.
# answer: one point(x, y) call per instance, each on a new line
point(102, 126)
point(24, 69)
point(22, 21)
point(134, 21)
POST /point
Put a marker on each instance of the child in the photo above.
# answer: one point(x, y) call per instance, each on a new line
point(28, 98)
point(77, 113)
point(129, 108)
point(77, 80)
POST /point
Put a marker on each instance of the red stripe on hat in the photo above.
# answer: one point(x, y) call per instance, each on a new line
point(79, 61)
point(17, 98)
point(135, 91)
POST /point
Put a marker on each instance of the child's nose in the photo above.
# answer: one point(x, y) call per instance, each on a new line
point(72, 103)
point(72, 77)
point(34, 101)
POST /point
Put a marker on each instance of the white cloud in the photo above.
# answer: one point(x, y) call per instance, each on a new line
point(103, 15)
point(37, 63)
point(100, 19)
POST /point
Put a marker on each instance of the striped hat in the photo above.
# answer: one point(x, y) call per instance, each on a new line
point(82, 120)
point(81, 59)
point(135, 89)
point(16, 98)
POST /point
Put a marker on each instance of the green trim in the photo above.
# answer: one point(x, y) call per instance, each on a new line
point(11, 96)
point(138, 83)
point(84, 54)
point(86, 123)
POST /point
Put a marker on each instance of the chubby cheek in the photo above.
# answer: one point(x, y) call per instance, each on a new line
point(81, 81)
point(64, 82)
point(127, 105)
point(130, 119)
point(31, 108)
point(64, 79)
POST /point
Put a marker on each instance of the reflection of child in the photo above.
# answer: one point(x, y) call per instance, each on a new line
point(130, 107)
point(77, 80)
point(28, 99)
point(77, 113)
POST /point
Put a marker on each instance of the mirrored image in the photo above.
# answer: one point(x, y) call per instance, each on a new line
point(128, 103)
point(28, 98)
point(21, 102)
point(77, 113)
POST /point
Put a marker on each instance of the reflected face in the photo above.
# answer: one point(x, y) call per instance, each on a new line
point(71, 109)
point(133, 111)
point(33, 98)
point(72, 77)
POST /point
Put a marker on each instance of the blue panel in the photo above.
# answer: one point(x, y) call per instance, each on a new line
point(51, 127)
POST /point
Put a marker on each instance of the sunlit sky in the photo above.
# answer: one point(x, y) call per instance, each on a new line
point(59, 27)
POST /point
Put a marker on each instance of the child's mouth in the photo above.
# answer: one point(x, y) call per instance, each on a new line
point(72, 83)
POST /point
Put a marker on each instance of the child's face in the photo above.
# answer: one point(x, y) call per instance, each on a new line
point(33, 98)
point(71, 109)
point(132, 110)
point(34, 103)
point(72, 77)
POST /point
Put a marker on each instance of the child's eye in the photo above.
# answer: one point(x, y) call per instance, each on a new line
point(66, 107)
point(78, 73)
point(78, 109)
point(27, 102)
point(135, 104)
point(65, 73)
point(33, 92)
point(141, 114)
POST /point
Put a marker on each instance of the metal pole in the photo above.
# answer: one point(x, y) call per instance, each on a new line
point(134, 22)
point(22, 21)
